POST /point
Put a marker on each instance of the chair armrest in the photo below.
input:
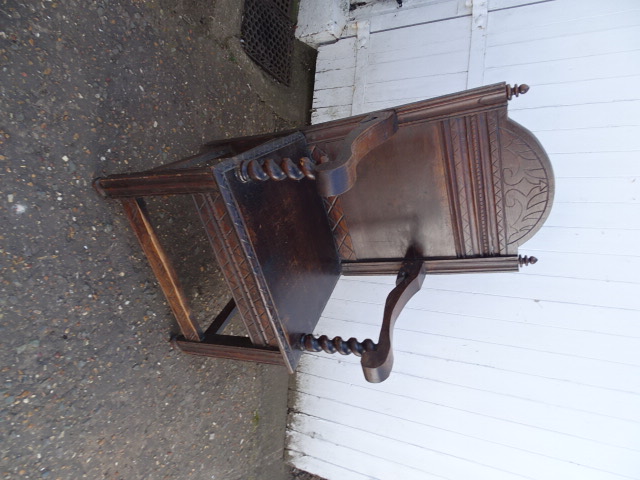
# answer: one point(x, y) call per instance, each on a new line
point(337, 176)
point(377, 363)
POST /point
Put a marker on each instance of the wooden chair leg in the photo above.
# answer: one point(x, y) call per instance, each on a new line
point(222, 319)
point(213, 344)
point(161, 266)
point(232, 347)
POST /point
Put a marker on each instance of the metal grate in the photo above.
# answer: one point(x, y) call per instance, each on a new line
point(267, 34)
point(283, 5)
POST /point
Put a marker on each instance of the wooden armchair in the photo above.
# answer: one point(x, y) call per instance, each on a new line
point(448, 185)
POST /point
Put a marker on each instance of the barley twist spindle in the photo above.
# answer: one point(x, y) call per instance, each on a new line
point(270, 169)
point(323, 343)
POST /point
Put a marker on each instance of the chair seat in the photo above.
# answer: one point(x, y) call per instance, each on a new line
point(275, 246)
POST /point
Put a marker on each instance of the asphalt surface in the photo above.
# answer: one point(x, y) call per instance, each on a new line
point(91, 387)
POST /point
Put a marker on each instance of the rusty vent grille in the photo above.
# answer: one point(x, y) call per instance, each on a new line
point(267, 35)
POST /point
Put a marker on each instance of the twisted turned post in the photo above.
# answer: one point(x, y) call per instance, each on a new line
point(377, 358)
point(333, 177)
point(270, 169)
point(310, 343)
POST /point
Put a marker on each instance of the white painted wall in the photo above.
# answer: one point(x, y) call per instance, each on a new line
point(531, 375)
point(321, 22)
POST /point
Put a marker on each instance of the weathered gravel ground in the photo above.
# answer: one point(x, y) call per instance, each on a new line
point(90, 385)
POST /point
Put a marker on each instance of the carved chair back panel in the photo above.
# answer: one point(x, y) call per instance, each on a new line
point(462, 186)
point(400, 199)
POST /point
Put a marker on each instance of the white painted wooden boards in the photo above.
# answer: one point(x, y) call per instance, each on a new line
point(533, 375)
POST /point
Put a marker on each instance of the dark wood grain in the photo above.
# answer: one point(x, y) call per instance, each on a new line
point(436, 266)
point(452, 178)
point(377, 363)
point(161, 266)
point(338, 175)
point(173, 182)
point(232, 347)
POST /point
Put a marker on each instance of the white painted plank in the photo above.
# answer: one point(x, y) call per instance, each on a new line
point(320, 115)
point(433, 298)
point(586, 92)
point(502, 4)
point(345, 447)
point(433, 13)
point(593, 190)
point(564, 47)
point(622, 409)
point(331, 63)
point(316, 466)
point(538, 28)
point(550, 342)
point(596, 165)
point(332, 450)
point(405, 91)
point(418, 40)
point(569, 70)
point(448, 443)
point(610, 139)
point(426, 66)
point(621, 216)
point(514, 285)
point(556, 13)
point(615, 114)
point(335, 79)
point(478, 44)
point(544, 338)
point(451, 408)
point(336, 56)
point(607, 268)
point(478, 437)
point(334, 51)
point(363, 34)
point(584, 371)
point(333, 97)
point(376, 57)
point(585, 241)
point(415, 460)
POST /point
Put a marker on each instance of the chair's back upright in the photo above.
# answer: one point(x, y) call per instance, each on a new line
point(459, 179)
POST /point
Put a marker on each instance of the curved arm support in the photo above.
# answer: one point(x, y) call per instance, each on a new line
point(377, 364)
point(339, 175)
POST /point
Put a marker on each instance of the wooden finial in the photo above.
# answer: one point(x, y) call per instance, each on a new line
point(516, 90)
point(526, 260)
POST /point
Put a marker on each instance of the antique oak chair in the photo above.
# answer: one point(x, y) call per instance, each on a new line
point(448, 185)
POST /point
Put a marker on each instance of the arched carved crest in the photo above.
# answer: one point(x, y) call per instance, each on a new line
point(528, 182)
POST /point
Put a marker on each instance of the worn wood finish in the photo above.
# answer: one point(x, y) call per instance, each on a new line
point(176, 182)
point(161, 267)
point(231, 347)
point(377, 358)
point(466, 181)
point(339, 175)
point(439, 266)
point(377, 363)
point(452, 178)
point(286, 260)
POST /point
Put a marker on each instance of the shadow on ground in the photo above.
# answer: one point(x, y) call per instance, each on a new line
point(91, 388)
